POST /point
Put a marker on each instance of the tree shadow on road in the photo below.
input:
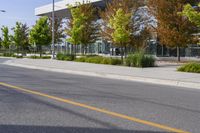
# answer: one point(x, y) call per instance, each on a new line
point(57, 129)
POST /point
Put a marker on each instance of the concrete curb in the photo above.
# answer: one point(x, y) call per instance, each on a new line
point(112, 76)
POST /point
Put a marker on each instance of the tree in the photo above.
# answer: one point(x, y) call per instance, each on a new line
point(6, 37)
point(192, 14)
point(128, 7)
point(25, 36)
point(40, 34)
point(58, 29)
point(17, 37)
point(173, 30)
point(0, 42)
point(90, 31)
point(82, 27)
point(20, 37)
point(120, 24)
point(140, 39)
point(144, 28)
point(75, 26)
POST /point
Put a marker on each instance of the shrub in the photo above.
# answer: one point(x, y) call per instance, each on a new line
point(89, 59)
point(190, 67)
point(81, 59)
point(96, 60)
point(19, 56)
point(12, 55)
point(92, 55)
point(46, 57)
point(116, 62)
point(38, 57)
point(106, 60)
point(148, 61)
point(139, 59)
point(99, 60)
point(8, 54)
point(59, 56)
point(65, 57)
point(34, 57)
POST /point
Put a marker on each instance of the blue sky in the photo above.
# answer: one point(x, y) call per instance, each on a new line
point(19, 10)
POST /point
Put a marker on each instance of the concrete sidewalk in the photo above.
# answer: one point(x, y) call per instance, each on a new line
point(164, 74)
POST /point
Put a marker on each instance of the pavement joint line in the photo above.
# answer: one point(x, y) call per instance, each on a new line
point(104, 111)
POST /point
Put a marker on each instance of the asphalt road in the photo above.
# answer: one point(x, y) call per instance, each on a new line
point(24, 112)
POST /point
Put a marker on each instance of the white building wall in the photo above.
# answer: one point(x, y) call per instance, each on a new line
point(60, 7)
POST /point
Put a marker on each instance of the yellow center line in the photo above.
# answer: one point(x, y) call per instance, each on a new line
point(133, 119)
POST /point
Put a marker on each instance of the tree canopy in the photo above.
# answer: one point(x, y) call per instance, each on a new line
point(6, 37)
point(58, 29)
point(127, 6)
point(192, 14)
point(90, 31)
point(173, 30)
point(0, 42)
point(40, 34)
point(75, 25)
point(120, 23)
point(82, 27)
point(21, 35)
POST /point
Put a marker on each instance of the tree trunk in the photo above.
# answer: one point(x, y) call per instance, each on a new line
point(178, 54)
point(17, 50)
point(81, 49)
point(23, 54)
point(125, 51)
point(122, 53)
point(122, 58)
point(9, 50)
point(89, 50)
point(112, 51)
point(71, 49)
point(40, 51)
point(65, 51)
point(75, 50)
point(162, 51)
point(85, 49)
point(24, 51)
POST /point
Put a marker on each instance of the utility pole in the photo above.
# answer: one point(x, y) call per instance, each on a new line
point(53, 30)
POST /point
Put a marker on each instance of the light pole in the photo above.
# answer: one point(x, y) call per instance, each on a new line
point(53, 29)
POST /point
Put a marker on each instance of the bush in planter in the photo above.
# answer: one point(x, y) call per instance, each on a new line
point(190, 67)
point(116, 61)
point(34, 57)
point(60, 56)
point(96, 60)
point(99, 60)
point(8, 54)
point(139, 59)
point(65, 57)
point(93, 59)
point(106, 60)
point(81, 59)
point(19, 56)
point(103, 60)
point(38, 57)
point(46, 57)
point(148, 61)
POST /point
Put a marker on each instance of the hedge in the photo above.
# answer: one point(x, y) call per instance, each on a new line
point(190, 67)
